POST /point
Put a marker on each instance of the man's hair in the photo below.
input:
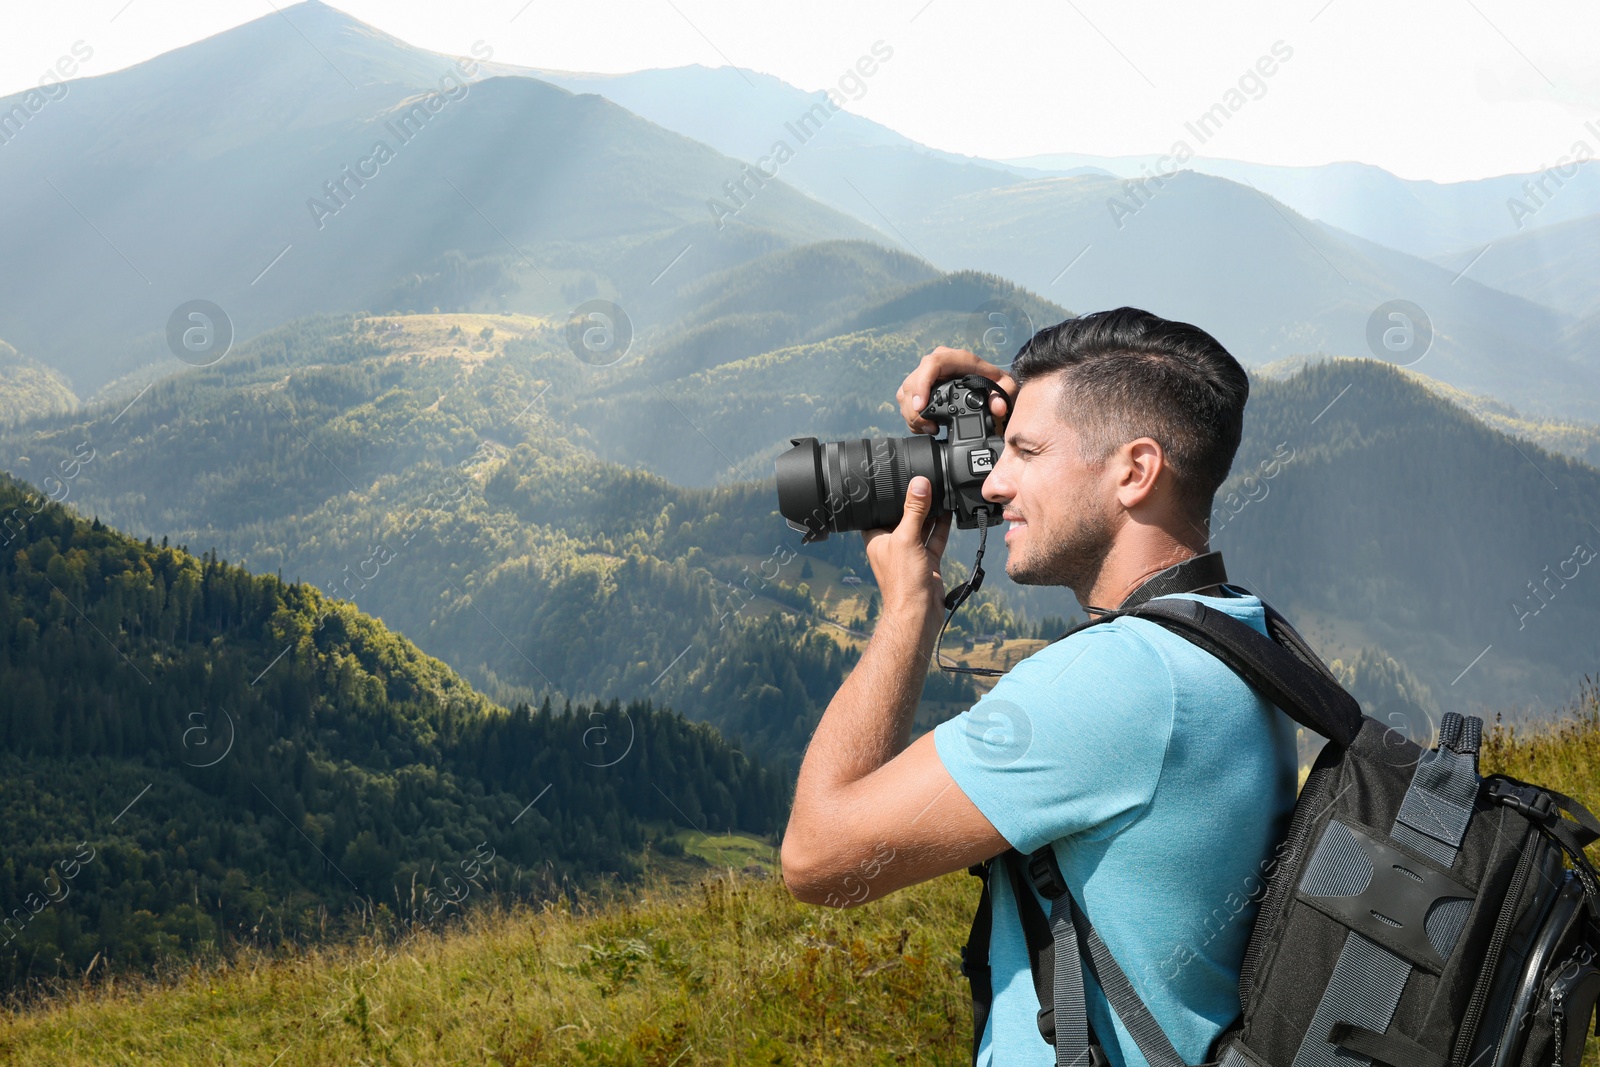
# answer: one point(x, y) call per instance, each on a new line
point(1130, 374)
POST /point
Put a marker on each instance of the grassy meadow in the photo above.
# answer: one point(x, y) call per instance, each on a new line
point(708, 962)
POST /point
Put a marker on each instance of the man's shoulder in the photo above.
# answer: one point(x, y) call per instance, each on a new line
point(1112, 646)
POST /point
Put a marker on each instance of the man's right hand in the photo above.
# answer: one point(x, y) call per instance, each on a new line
point(938, 365)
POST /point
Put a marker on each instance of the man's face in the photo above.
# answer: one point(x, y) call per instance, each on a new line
point(1059, 508)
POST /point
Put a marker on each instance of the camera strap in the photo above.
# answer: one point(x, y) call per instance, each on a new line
point(958, 596)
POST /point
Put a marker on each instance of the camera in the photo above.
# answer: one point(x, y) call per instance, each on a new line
point(861, 485)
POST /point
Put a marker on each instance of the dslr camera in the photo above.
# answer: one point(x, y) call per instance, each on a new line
point(861, 485)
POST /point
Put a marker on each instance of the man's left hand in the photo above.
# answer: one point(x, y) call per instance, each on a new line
point(905, 560)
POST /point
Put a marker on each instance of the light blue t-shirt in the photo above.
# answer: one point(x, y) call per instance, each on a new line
point(1163, 783)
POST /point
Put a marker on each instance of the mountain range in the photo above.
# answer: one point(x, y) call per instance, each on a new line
point(482, 408)
point(638, 187)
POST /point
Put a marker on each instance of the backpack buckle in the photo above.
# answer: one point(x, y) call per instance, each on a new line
point(1045, 874)
point(1047, 1030)
point(1530, 802)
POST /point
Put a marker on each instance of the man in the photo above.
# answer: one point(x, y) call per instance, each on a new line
point(1159, 779)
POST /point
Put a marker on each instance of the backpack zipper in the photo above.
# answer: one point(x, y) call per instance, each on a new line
point(1558, 1020)
point(1491, 956)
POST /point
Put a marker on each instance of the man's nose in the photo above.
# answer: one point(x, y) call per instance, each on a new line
point(996, 487)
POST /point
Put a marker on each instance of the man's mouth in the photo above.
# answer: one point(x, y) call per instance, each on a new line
point(1013, 524)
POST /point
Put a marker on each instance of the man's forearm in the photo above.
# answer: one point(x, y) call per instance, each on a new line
point(868, 722)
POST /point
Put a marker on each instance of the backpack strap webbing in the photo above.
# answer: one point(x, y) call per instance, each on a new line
point(1076, 1032)
point(1054, 958)
point(1073, 932)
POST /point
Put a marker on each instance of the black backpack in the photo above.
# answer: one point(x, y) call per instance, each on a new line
point(1416, 915)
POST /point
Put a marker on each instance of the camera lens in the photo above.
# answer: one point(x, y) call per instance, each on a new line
point(854, 485)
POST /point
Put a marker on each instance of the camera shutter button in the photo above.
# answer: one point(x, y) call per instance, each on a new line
point(974, 401)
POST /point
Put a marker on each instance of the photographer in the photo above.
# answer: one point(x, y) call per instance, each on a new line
point(1159, 778)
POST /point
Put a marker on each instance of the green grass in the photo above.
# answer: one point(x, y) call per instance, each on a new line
point(728, 969)
point(739, 851)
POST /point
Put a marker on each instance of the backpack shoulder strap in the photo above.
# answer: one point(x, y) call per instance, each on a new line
point(1041, 950)
point(1282, 667)
point(1073, 934)
point(1053, 982)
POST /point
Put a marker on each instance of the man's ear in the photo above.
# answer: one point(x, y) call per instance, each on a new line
point(1140, 464)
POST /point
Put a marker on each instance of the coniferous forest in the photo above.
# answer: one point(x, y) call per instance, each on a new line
point(195, 756)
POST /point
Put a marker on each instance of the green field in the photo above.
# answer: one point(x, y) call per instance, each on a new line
point(722, 969)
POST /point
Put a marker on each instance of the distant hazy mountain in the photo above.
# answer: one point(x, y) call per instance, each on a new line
point(1265, 280)
point(851, 163)
point(741, 113)
point(1556, 265)
point(1423, 218)
point(246, 169)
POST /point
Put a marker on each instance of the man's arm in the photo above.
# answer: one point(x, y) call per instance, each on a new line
point(870, 814)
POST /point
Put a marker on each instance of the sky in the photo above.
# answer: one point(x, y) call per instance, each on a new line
point(1447, 90)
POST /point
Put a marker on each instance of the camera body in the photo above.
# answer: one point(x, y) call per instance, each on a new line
point(861, 485)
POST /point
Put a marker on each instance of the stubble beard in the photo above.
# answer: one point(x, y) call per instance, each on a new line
point(1073, 557)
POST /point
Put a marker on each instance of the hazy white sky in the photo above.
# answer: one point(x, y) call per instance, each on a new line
point(1441, 89)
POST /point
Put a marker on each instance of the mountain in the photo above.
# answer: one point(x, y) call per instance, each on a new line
point(344, 171)
point(741, 113)
point(1579, 440)
point(785, 297)
point(198, 757)
point(1425, 219)
point(497, 501)
point(806, 338)
point(1274, 260)
point(1584, 336)
point(1374, 512)
point(440, 478)
point(848, 162)
point(1556, 265)
point(1265, 281)
point(497, 191)
point(28, 388)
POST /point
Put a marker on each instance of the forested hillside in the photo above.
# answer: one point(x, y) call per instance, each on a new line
point(445, 472)
point(28, 388)
point(1379, 514)
point(196, 756)
point(430, 468)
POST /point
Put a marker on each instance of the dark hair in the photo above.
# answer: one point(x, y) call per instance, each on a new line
point(1131, 374)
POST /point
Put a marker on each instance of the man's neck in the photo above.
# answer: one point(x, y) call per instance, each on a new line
point(1127, 566)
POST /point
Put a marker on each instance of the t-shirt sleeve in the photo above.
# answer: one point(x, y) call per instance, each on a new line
point(1070, 741)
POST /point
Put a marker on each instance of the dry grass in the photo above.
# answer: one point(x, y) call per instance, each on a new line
point(428, 337)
